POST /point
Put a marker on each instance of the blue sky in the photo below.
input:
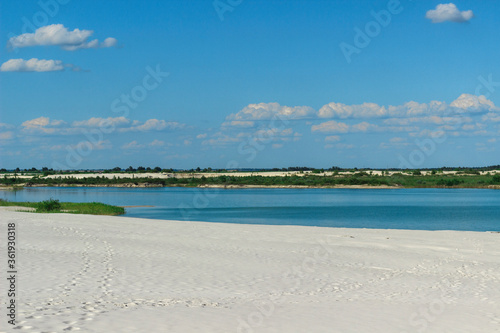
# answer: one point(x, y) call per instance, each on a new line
point(250, 84)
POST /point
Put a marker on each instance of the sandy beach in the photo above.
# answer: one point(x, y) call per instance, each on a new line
point(116, 274)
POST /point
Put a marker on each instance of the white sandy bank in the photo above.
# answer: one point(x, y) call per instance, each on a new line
point(115, 274)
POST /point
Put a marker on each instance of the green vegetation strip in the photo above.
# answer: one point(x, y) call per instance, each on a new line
point(413, 180)
point(54, 206)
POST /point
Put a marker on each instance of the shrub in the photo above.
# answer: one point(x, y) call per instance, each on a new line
point(50, 205)
point(449, 182)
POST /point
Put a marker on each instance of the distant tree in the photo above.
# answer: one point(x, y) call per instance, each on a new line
point(157, 169)
point(198, 169)
point(45, 169)
point(148, 169)
point(130, 169)
point(17, 170)
point(117, 169)
point(141, 169)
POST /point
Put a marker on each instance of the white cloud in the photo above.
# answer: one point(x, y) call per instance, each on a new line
point(97, 122)
point(491, 117)
point(397, 140)
point(220, 139)
point(156, 143)
point(468, 102)
point(201, 136)
point(6, 135)
point(152, 125)
point(238, 123)
point(438, 120)
point(42, 125)
point(38, 122)
point(275, 134)
point(132, 145)
point(32, 65)
point(332, 138)
point(6, 126)
point(364, 127)
point(339, 110)
point(57, 34)
point(331, 127)
point(264, 111)
point(448, 12)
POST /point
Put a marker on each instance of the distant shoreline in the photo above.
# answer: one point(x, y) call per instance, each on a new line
point(372, 179)
point(232, 186)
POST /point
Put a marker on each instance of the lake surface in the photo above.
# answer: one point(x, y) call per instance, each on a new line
point(423, 209)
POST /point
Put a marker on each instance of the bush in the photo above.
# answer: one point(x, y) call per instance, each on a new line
point(50, 205)
point(496, 179)
point(450, 182)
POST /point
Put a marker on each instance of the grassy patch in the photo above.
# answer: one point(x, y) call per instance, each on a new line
point(54, 206)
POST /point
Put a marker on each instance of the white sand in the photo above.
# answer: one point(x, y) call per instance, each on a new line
point(116, 274)
point(237, 174)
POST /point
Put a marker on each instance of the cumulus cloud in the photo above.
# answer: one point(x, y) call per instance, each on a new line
point(331, 127)
point(332, 138)
point(397, 140)
point(97, 122)
point(152, 125)
point(339, 110)
point(274, 134)
point(220, 139)
point(265, 111)
point(437, 120)
point(42, 125)
point(468, 102)
point(59, 35)
point(32, 65)
point(6, 126)
point(132, 145)
point(156, 143)
point(6, 135)
point(238, 123)
point(448, 12)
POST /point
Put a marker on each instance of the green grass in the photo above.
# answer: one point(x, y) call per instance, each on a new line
point(408, 179)
point(54, 206)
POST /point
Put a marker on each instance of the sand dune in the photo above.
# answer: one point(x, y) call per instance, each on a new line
point(117, 274)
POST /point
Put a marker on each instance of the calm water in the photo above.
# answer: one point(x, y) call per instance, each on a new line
point(426, 209)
